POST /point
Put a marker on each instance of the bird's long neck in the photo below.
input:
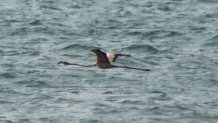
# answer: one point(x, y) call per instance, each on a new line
point(67, 63)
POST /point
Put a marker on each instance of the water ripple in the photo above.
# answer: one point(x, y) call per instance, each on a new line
point(76, 46)
point(35, 23)
point(140, 48)
point(212, 41)
point(33, 83)
point(8, 75)
point(176, 38)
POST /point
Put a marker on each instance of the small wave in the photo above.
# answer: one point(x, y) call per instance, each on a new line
point(5, 102)
point(208, 1)
point(6, 121)
point(18, 53)
point(20, 31)
point(159, 95)
point(158, 92)
point(51, 7)
point(38, 84)
point(108, 92)
point(213, 81)
point(135, 102)
point(165, 8)
point(35, 23)
point(24, 120)
point(143, 32)
point(75, 46)
point(154, 33)
point(154, 108)
point(8, 90)
point(1, 52)
point(105, 109)
point(141, 48)
point(212, 41)
point(33, 83)
point(43, 29)
point(75, 92)
point(198, 29)
point(7, 75)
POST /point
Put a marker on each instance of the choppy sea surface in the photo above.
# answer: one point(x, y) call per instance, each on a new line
point(177, 39)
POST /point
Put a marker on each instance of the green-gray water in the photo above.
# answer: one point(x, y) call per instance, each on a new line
point(177, 39)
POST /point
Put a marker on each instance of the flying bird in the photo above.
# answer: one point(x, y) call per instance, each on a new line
point(104, 61)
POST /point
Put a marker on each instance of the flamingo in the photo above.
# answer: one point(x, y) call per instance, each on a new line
point(104, 61)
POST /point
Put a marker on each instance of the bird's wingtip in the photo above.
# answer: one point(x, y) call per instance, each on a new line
point(94, 49)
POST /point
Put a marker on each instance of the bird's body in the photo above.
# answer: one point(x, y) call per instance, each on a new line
point(104, 61)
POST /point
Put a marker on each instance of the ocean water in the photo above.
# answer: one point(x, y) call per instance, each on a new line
point(177, 39)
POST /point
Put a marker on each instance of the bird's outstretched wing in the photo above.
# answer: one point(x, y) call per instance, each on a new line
point(101, 56)
point(113, 56)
